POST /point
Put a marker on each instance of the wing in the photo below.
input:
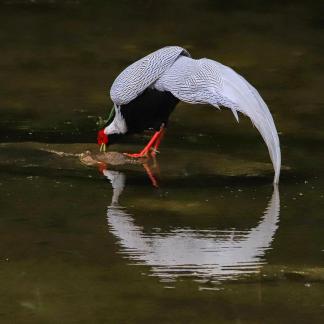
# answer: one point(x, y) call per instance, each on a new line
point(143, 73)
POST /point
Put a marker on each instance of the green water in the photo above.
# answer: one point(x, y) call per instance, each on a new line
point(215, 243)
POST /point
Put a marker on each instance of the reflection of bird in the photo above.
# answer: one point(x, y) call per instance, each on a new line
point(205, 254)
point(147, 91)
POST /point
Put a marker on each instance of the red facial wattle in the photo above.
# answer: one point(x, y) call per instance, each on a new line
point(102, 140)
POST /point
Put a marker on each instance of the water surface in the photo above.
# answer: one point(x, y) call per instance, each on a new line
point(215, 242)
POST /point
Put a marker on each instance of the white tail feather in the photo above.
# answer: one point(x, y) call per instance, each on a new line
point(248, 101)
point(207, 81)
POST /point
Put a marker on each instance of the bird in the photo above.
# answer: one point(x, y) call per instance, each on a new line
point(146, 92)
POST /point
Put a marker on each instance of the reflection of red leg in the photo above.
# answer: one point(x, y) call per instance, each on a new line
point(102, 167)
point(155, 140)
point(156, 165)
point(150, 175)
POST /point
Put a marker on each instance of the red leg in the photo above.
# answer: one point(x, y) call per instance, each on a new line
point(158, 142)
point(155, 140)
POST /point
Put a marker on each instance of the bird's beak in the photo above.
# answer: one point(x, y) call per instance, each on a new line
point(102, 140)
point(103, 147)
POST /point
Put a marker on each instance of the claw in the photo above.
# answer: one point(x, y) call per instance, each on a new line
point(154, 151)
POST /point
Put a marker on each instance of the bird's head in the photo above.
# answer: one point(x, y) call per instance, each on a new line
point(102, 140)
point(102, 137)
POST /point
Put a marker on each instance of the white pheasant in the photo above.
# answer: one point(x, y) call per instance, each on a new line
point(147, 91)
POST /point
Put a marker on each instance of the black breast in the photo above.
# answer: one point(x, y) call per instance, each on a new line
point(149, 110)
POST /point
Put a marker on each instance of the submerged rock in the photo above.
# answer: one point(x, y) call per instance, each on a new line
point(112, 158)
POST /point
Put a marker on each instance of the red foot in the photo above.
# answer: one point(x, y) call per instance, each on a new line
point(151, 147)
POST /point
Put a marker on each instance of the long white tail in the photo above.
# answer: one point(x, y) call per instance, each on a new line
point(242, 96)
point(207, 81)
